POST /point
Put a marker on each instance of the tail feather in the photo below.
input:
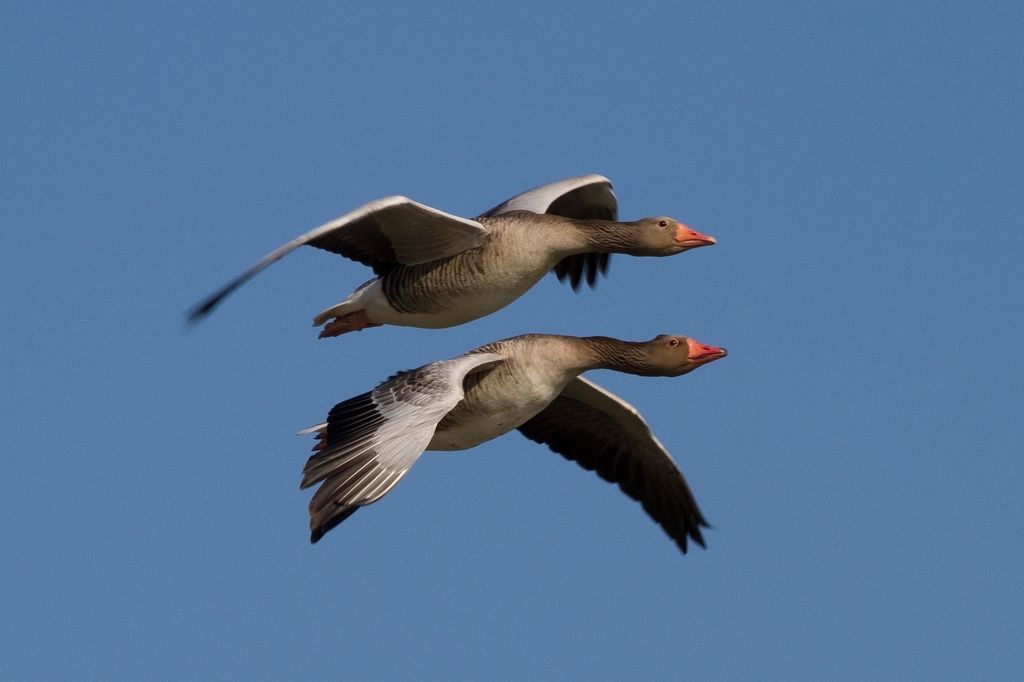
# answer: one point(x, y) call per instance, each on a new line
point(351, 304)
point(343, 308)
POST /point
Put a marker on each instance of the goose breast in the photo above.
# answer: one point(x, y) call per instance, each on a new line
point(503, 398)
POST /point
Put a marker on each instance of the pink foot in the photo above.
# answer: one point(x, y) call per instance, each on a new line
point(353, 322)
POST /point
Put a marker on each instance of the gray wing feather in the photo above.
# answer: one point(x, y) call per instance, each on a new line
point(603, 433)
point(381, 234)
point(582, 197)
point(369, 442)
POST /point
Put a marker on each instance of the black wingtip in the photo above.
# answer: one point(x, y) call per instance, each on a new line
point(694, 533)
point(318, 532)
point(593, 268)
point(575, 278)
point(586, 267)
point(201, 310)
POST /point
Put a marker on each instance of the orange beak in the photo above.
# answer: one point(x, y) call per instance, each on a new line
point(691, 239)
point(700, 354)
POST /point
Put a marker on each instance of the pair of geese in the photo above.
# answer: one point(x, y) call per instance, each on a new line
point(434, 270)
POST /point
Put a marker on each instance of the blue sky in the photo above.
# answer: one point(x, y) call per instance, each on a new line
point(858, 453)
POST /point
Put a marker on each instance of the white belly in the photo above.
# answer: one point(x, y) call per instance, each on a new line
point(460, 306)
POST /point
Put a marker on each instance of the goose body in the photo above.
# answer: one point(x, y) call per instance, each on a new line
point(468, 285)
point(530, 383)
point(534, 369)
point(437, 270)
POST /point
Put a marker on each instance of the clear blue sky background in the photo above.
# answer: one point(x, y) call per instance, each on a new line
point(859, 451)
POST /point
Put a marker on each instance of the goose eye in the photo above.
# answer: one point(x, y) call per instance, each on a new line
point(662, 223)
point(672, 343)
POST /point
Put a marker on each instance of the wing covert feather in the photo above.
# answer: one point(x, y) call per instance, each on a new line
point(369, 442)
point(382, 234)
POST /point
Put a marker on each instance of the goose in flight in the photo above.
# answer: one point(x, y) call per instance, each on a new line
point(530, 383)
point(434, 269)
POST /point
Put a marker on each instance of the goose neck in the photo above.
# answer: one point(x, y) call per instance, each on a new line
point(603, 352)
point(607, 236)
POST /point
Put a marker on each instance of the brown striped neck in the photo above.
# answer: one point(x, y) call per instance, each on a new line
point(604, 352)
point(607, 236)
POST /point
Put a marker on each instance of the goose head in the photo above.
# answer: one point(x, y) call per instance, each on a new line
point(671, 356)
point(664, 236)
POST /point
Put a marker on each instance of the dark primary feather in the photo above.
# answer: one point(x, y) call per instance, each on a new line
point(349, 423)
point(340, 451)
point(575, 267)
point(318, 532)
point(586, 435)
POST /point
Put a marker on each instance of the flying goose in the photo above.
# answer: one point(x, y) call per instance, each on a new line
point(434, 269)
point(530, 383)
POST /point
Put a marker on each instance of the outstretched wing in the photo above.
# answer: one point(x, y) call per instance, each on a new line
point(603, 433)
point(370, 441)
point(382, 234)
point(582, 197)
